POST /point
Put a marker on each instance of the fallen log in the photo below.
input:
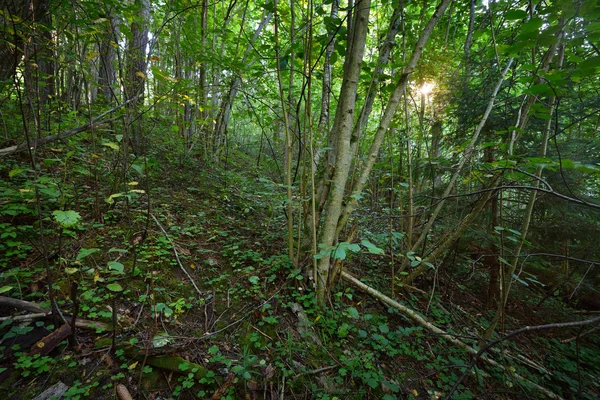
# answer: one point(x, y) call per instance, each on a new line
point(33, 307)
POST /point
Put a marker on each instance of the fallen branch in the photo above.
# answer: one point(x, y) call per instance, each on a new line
point(34, 144)
point(569, 340)
point(48, 343)
point(25, 317)
point(412, 314)
point(177, 256)
point(29, 306)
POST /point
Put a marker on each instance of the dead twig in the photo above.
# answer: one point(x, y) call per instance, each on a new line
point(177, 255)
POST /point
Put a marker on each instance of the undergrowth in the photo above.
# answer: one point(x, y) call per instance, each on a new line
point(250, 328)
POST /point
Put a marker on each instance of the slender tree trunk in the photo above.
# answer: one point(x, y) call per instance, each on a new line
point(135, 75)
point(227, 102)
point(466, 156)
point(106, 69)
point(327, 70)
point(384, 56)
point(388, 114)
point(508, 277)
point(342, 132)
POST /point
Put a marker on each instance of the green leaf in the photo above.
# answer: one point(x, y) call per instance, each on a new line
point(114, 287)
point(513, 15)
point(354, 248)
point(540, 89)
point(353, 312)
point(111, 145)
point(71, 271)
point(161, 340)
point(67, 219)
point(5, 289)
point(591, 62)
point(117, 266)
point(339, 252)
point(371, 248)
point(15, 172)
point(83, 253)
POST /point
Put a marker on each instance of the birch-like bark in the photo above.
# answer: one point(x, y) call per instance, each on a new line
point(342, 130)
point(389, 112)
point(382, 60)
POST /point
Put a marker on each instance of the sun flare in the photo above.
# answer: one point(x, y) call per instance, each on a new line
point(426, 88)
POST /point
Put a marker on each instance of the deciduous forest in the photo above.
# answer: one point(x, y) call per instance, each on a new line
point(300, 199)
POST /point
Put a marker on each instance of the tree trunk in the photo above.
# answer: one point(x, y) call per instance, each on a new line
point(389, 112)
point(342, 132)
point(327, 69)
point(136, 71)
point(13, 33)
point(106, 69)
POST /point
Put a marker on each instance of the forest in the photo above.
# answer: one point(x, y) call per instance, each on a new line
point(299, 199)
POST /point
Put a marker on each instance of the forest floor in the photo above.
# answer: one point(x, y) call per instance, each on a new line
point(207, 305)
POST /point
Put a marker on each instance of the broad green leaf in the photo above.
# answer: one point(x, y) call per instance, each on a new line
point(112, 145)
point(162, 340)
point(540, 89)
point(5, 289)
point(513, 15)
point(116, 266)
point(339, 253)
point(371, 248)
point(71, 271)
point(532, 25)
point(14, 172)
point(353, 312)
point(355, 248)
point(591, 62)
point(67, 219)
point(114, 287)
point(83, 253)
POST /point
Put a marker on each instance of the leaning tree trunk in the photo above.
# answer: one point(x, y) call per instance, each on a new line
point(388, 114)
point(508, 277)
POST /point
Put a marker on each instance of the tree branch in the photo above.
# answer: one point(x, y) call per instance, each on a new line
point(551, 192)
point(65, 134)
